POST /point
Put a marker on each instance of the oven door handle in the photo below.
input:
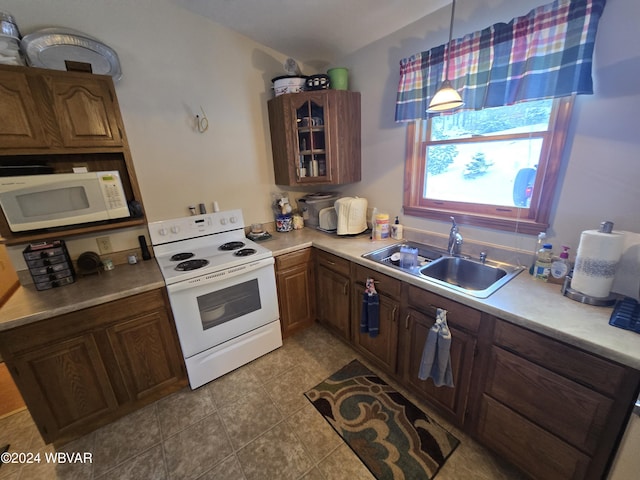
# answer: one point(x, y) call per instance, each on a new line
point(220, 275)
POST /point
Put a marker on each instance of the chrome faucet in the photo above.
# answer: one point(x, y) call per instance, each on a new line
point(455, 239)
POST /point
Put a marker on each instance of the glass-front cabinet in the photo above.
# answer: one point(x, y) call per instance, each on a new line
point(315, 137)
point(311, 140)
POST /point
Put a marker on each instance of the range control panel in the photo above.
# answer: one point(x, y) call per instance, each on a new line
point(166, 231)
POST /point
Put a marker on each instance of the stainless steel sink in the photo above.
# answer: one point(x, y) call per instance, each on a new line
point(426, 254)
point(471, 277)
point(462, 274)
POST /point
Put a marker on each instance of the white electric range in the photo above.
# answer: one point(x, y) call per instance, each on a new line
point(222, 291)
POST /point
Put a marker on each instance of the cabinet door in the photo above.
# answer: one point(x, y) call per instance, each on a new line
point(333, 300)
point(315, 137)
point(85, 112)
point(147, 354)
point(296, 296)
point(64, 385)
point(542, 455)
point(20, 122)
point(451, 401)
point(565, 408)
point(312, 146)
point(383, 348)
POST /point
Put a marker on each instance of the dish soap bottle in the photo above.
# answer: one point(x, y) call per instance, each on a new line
point(560, 266)
point(542, 267)
point(541, 238)
point(396, 230)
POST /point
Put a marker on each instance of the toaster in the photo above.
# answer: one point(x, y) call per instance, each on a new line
point(328, 219)
point(352, 215)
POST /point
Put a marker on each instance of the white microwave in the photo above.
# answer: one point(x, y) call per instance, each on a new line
point(33, 202)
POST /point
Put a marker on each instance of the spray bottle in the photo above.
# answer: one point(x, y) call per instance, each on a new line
point(541, 241)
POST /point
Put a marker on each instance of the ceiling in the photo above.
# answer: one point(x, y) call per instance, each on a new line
point(314, 32)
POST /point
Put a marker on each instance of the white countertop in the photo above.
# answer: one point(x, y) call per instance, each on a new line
point(28, 305)
point(524, 301)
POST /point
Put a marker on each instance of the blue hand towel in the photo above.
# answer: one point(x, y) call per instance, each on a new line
point(436, 358)
point(370, 316)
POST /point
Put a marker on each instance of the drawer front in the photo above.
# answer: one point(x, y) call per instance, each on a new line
point(333, 262)
point(596, 373)
point(461, 315)
point(384, 284)
point(542, 455)
point(293, 259)
point(568, 410)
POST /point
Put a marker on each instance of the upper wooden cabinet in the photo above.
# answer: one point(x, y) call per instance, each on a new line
point(21, 125)
point(61, 120)
point(51, 109)
point(315, 137)
point(85, 112)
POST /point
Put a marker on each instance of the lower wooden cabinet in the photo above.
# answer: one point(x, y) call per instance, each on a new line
point(552, 409)
point(334, 293)
point(81, 370)
point(463, 323)
point(533, 449)
point(383, 348)
point(295, 279)
point(146, 353)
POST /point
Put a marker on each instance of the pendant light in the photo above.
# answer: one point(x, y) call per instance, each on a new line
point(446, 97)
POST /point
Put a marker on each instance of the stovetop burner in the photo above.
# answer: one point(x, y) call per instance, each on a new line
point(231, 245)
point(245, 252)
point(192, 264)
point(181, 256)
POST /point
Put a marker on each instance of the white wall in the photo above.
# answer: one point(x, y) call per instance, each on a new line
point(600, 179)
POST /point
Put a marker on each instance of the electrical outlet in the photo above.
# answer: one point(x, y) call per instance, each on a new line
point(104, 245)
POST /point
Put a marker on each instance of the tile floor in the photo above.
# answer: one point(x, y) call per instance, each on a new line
point(252, 424)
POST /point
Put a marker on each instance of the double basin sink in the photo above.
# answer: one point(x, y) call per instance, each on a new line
point(475, 278)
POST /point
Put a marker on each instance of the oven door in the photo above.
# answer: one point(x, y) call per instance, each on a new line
point(217, 307)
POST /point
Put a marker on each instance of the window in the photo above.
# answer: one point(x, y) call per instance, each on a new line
point(495, 167)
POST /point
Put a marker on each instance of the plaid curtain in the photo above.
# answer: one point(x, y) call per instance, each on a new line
point(544, 54)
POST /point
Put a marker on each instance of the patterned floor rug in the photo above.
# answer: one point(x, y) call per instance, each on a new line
point(392, 436)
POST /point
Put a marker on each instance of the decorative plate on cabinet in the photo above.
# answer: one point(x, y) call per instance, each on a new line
point(51, 47)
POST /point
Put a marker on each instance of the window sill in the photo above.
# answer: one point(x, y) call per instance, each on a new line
point(523, 225)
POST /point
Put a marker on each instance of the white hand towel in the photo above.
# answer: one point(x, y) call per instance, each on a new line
point(436, 358)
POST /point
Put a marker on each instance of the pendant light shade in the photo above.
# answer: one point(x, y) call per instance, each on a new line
point(446, 97)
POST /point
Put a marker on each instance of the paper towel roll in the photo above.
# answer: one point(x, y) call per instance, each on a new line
point(596, 260)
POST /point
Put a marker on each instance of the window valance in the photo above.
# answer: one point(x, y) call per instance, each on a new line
point(544, 54)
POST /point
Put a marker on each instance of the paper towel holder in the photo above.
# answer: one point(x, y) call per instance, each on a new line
point(567, 291)
point(606, 227)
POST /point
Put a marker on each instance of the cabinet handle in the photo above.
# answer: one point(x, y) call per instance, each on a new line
point(406, 321)
point(330, 262)
point(393, 313)
point(433, 310)
point(345, 289)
